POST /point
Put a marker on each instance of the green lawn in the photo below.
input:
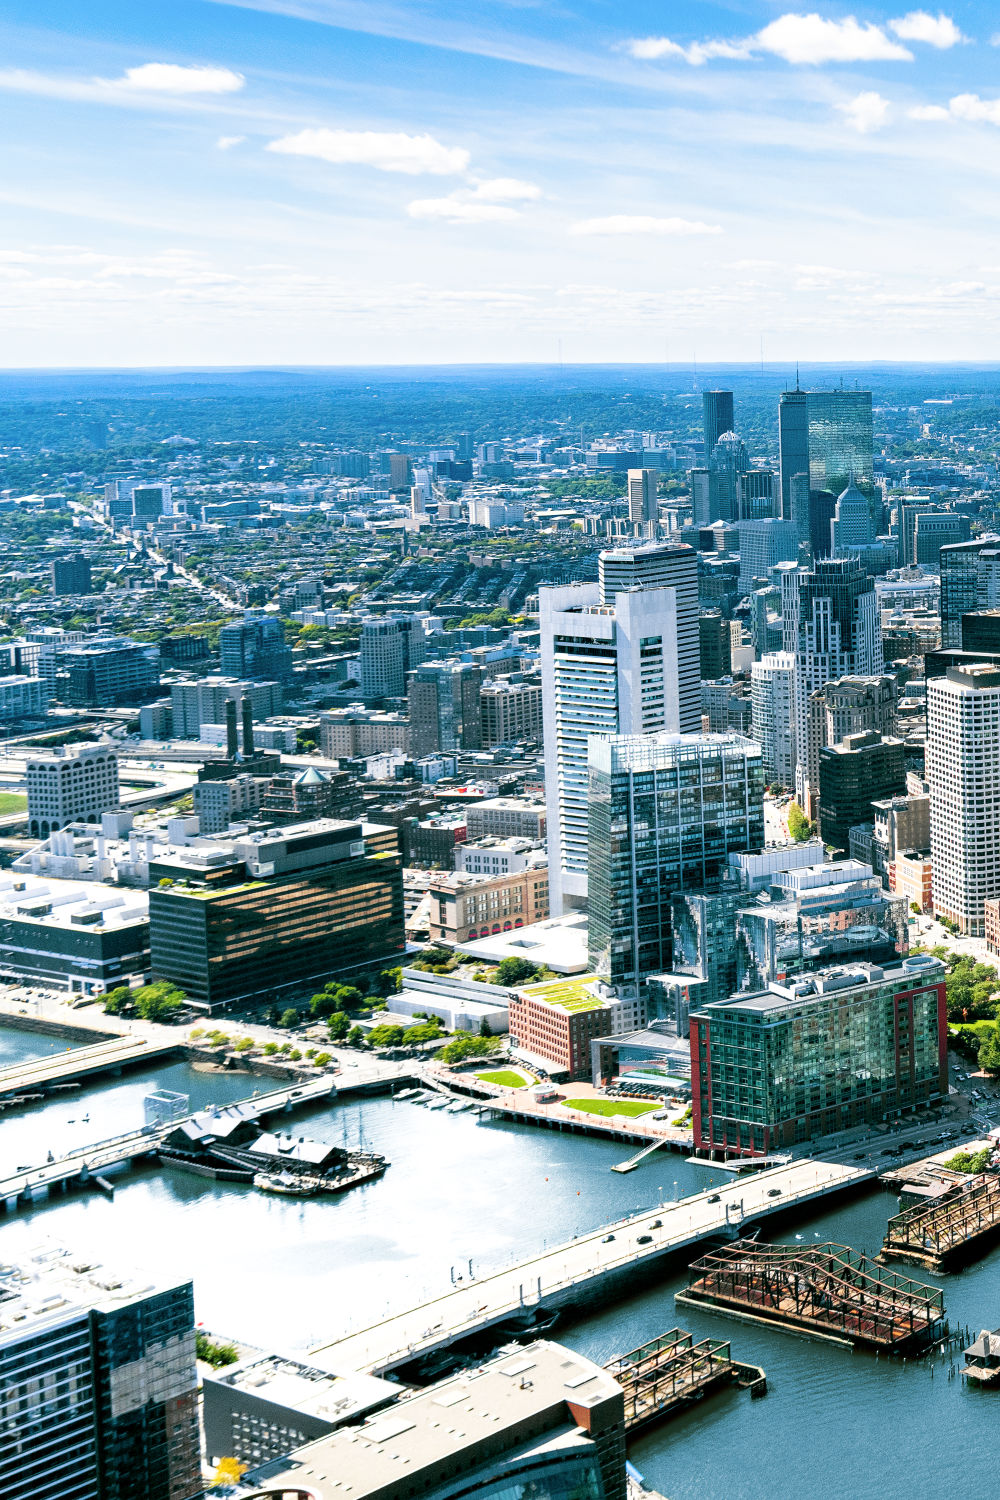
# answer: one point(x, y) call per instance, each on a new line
point(506, 1079)
point(609, 1107)
point(12, 802)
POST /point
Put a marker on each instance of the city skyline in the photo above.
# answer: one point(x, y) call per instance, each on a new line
point(320, 182)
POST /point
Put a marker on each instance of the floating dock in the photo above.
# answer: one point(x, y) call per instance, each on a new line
point(669, 1373)
point(828, 1291)
point(963, 1221)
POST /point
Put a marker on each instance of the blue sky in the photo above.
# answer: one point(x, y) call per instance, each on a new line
point(361, 181)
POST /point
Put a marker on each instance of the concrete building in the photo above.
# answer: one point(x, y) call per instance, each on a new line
point(662, 565)
point(505, 817)
point(852, 524)
point(963, 752)
point(666, 811)
point(842, 1048)
point(219, 803)
point(99, 1383)
point(269, 913)
point(22, 698)
point(390, 648)
point(77, 936)
point(853, 774)
point(462, 1004)
point(934, 530)
point(255, 648)
point(465, 906)
point(72, 783)
point(553, 1024)
point(539, 1421)
point(643, 509)
point(492, 856)
point(352, 733)
point(772, 697)
point(444, 706)
point(70, 575)
point(511, 709)
point(202, 701)
point(106, 671)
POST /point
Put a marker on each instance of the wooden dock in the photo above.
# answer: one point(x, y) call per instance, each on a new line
point(667, 1374)
point(959, 1225)
point(825, 1290)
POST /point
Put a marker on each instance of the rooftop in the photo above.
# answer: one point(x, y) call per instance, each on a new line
point(309, 1388)
point(560, 943)
point(53, 1284)
point(70, 903)
point(567, 994)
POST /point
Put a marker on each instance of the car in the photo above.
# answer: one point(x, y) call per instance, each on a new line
point(656, 1224)
point(607, 1239)
point(859, 1156)
point(644, 1239)
point(774, 1192)
point(713, 1198)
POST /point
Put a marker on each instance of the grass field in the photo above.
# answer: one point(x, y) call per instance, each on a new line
point(506, 1079)
point(12, 802)
point(608, 1107)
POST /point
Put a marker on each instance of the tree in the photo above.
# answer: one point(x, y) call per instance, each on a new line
point(245, 1044)
point(389, 982)
point(512, 971)
point(324, 1004)
point(989, 1050)
point(385, 1036)
point(355, 1037)
point(799, 826)
point(289, 1019)
point(116, 1000)
point(159, 1002)
point(484, 1028)
point(321, 1060)
point(467, 1046)
point(338, 1026)
point(228, 1471)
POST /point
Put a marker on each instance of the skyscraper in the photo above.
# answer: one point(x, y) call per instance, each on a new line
point(728, 464)
point(445, 707)
point(666, 810)
point(831, 624)
point(963, 752)
point(772, 683)
point(970, 580)
point(852, 774)
point(642, 507)
point(614, 660)
point(852, 522)
point(717, 412)
point(255, 648)
point(390, 648)
point(827, 435)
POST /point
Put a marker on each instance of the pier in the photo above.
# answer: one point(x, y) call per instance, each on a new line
point(826, 1290)
point(85, 1164)
point(957, 1226)
point(593, 1268)
point(79, 1063)
point(662, 1377)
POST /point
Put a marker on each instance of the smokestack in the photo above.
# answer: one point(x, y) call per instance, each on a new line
point(247, 728)
point(231, 742)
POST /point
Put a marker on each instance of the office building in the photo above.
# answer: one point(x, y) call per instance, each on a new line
point(717, 416)
point(70, 575)
point(400, 472)
point(853, 774)
point(255, 648)
point(443, 701)
point(107, 671)
point(267, 914)
point(763, 544)
point(217, 804)
point(666, 811)
point(203, 700)
point(70, 784)
point(493, 856)
point(622, 662)
point(827, 435)
point(553, 1024)
point(756, 495)
point(714, 646)
point(848, 705)
point(352, 733)
point(728, 462)
point(22, 697)
point(831, 625)
point(963, 752)
point(981, 632)
point(298, 796)
point(466, 906)
point(80, 937)
point(643, 510)
point(100, 1390)
point(970, 580)
point(852, 523)
point(934, 530)
point(835, 1050)
point(390, 648)
point(511, 709)
point(505, 817)
point(772, 696)
point(541, 1421)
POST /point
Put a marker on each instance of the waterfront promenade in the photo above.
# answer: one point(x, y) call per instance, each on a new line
point(589, 1267)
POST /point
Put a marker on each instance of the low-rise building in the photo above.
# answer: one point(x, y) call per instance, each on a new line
point(511, 709)
point(219, 803)
point(492, 856)
point(506, 817)
point(352, 733)
point(553, 1024)
point(465, 906)
point(76, 936)
point(461, 1004)
point(910, 876)
point(22, 697)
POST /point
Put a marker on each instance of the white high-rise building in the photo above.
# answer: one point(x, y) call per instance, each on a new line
point(70, 784)
point(661, 565)
point(643, 509)
point(963, 757)
point(831, 624)
point(611, 664)
point(772, 691)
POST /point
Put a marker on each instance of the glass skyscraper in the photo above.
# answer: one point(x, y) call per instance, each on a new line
point(827, 435)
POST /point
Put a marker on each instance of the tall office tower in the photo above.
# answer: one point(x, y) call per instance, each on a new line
point(762, 544)
point(661, 565)
point(715, 646)
point(70, 575)
point(70, 784)
point(444, 699)
point(700, 481)
point(772, 693)
point(101, 671)
point(963, 752)
point(852, 774)
point(642, 506)
point(846, 706)
point(400, 471)
point(831, 624)
point(852, 522)
point(717, 413)
point(970, 579)
point(626, 664)
point(203, 701)
point(905, 524)
point(390, 648)
point(254, 647)
point(827, 435)
point(755, 495)
point(99, 1384)
point(933, 530)
point(666, 811)
point(727, 464)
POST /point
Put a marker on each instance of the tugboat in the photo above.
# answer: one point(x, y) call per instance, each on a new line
point(287, 1184)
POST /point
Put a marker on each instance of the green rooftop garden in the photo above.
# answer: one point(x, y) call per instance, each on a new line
point(571, 994)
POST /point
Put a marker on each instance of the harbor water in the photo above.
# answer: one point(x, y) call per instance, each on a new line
point(287, 1273)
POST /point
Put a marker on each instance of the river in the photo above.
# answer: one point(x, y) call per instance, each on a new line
point(288, 1273)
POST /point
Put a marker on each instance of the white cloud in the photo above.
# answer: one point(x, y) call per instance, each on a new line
point(386, 151)
point(652, 48)
point(642, 224)
point(962, 107)
point(506, 190)
point(865, 112)
point(813, 40)
point(457, 209)
point(929, 112)
point(227, 142)
point(172, 78)
point(920, 26)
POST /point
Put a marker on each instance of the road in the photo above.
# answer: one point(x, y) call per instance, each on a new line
point(82, 1062)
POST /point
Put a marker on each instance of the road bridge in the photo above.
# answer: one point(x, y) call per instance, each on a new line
point(590, 1268)
point(43, 1074)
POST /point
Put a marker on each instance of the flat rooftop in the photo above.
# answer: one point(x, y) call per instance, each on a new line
point(308, 1388)
point(559, 942)
point(51, 1284)
point(79, 905)
point(567, 994)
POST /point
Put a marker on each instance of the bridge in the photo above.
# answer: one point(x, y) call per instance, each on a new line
point(77, 1063)
point(590, 1268)
point(86, 1163)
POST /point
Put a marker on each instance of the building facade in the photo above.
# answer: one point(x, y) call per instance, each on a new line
point(70, 784)
point(827, 435)
point(853, 774)
point(772, 696)
point(444, 707)
point(466, 906)
point(511, 710)
point(963, 752)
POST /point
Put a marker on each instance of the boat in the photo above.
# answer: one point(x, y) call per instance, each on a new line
point(286, 1184)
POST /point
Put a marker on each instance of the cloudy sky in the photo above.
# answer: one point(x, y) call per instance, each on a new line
point(410, 181)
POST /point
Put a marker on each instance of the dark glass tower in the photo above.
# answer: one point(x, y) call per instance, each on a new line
point(827, 435)
point(717, 407)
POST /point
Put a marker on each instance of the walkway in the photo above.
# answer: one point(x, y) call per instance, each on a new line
point(78, 1063)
